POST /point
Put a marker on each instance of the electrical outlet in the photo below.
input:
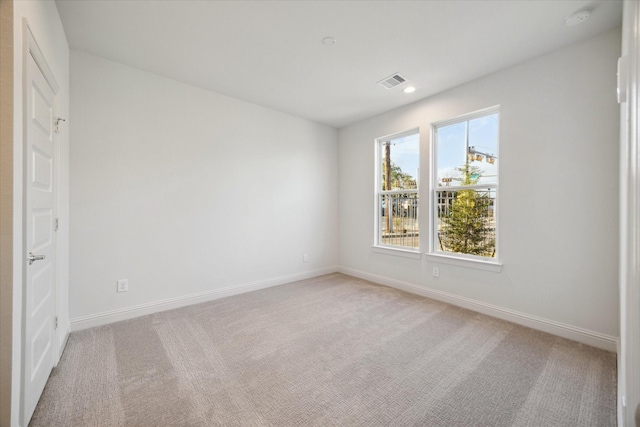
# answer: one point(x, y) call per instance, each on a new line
point(305, 257)
point(436, 272)
point(123, 285)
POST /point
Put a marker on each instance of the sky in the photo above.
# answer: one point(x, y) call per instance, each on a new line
point(405, 152)
point(452, 147)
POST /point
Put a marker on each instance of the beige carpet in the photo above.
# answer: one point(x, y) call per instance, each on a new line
point(333, 350)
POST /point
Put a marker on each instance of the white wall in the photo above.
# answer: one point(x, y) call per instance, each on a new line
point(558, 188)
point(184, 191)
point(45, 24)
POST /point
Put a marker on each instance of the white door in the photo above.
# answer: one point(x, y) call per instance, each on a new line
point(39, 293)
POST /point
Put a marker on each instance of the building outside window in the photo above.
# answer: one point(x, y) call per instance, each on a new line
point(465, 186)
point(397, 170)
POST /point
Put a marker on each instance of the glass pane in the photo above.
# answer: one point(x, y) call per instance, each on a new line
point(466, 222)
point(452, 149)
point(468, 152)
point(400, 163)
point(399, 220)
point(483, 148)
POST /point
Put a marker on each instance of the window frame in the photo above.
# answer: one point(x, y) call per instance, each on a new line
point(435, 254)
point(378, 246)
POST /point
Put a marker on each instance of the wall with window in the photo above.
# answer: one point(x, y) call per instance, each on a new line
point(558, 201)
point(189, 194)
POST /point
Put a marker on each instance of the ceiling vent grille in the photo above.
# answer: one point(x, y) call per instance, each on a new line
point(392, 81)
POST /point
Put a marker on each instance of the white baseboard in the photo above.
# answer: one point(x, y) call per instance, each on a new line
point(594, 339)
point(112, 316)
point(584, 336)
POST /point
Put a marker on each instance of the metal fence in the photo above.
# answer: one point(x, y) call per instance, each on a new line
point(399, 220)
point(474, 231)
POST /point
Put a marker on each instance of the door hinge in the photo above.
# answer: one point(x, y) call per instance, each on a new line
point(56, 322)
point(57, 224)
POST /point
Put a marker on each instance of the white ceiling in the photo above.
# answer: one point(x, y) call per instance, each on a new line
point(269, 52)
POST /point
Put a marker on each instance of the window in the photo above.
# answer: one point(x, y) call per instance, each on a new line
point(397, 167)
point(465, 189)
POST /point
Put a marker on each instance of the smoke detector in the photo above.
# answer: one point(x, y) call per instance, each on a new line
point(328, 41)
point(392, 81)
point(577, 18)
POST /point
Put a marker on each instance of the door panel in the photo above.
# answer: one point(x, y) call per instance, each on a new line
point(40, 346)
point(42, 171)
point(42, 218)
point(41, 289)
point(39, 236)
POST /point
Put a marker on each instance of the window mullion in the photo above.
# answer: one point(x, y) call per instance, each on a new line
point(399, 192)
point(466, 187)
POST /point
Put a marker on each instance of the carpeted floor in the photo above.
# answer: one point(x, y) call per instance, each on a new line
point(333, 350)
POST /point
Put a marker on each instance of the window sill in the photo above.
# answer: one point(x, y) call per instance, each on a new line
point(494, 266)
point(405, 253)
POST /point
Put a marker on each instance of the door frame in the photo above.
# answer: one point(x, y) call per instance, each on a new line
point(629, 277)
point(31, 49)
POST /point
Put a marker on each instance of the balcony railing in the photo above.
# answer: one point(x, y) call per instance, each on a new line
point(469, 229)
point(399, 220)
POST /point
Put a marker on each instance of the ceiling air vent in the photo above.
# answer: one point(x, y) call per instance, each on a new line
point(392, 81)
